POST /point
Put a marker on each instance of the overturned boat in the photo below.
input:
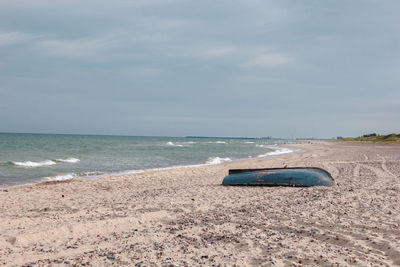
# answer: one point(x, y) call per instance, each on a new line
point(298, 176)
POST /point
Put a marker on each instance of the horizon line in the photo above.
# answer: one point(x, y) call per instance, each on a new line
point(186, 136)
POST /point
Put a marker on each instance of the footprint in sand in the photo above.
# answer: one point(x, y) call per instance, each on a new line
point(377, 171)
point(384, 167)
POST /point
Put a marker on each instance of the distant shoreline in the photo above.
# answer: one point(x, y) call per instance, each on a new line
point(234, 138)
point(133, 135)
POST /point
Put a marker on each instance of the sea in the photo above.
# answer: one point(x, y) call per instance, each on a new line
point(33, 158)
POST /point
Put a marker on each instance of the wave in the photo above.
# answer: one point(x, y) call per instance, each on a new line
point(47, 162)
point(68, 176)
point(33, 163)
point(281, 151)
point(217, 142)
point(93, 173)
point(60, 177)
point(277, 151)
point(268, 146)
point(172, 144)
point(216, 160)
point(249, 142)
point(69, 160)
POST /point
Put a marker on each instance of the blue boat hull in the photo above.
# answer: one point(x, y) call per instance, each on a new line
point(280, 177)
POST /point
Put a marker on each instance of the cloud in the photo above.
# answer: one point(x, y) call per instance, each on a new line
point(160, 54)
point(76, 48)
point(219, 51)
point(145, 71)
point(11, 38)
point(269, 59)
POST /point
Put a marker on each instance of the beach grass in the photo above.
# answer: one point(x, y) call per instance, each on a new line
point(380, 139)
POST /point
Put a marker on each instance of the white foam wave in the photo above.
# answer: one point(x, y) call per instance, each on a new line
point(277, 151)
point(60, 177)
point(280, 151)
point(217, 142)
point(90, 174)
point(249, 142)
point(172, 144)
point(48, 162)
point(31, 164)
point(69, 160)
point(217, 160)
point(266, 146)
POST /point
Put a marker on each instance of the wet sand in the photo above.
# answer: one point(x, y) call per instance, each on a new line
point(184, 217)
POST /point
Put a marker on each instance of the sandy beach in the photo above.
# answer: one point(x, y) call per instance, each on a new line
point(184, 217)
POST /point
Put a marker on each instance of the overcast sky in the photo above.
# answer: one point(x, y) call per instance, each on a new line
point(215, 68)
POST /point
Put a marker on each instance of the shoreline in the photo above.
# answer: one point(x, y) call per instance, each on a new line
point(185, 216)
point(72, 176)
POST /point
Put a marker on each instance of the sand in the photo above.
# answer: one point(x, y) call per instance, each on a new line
point(184, 217)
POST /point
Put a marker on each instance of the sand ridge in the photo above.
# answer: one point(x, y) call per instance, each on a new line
point(184, 217)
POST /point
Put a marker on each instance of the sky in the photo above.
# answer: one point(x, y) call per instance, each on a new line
point(209, 68)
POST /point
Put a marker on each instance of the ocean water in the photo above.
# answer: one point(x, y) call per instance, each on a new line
point(32, 158)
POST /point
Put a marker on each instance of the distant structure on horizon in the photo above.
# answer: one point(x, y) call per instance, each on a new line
point(369, 135)
point(220, 137)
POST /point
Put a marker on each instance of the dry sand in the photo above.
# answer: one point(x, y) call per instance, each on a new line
point(184, 217)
